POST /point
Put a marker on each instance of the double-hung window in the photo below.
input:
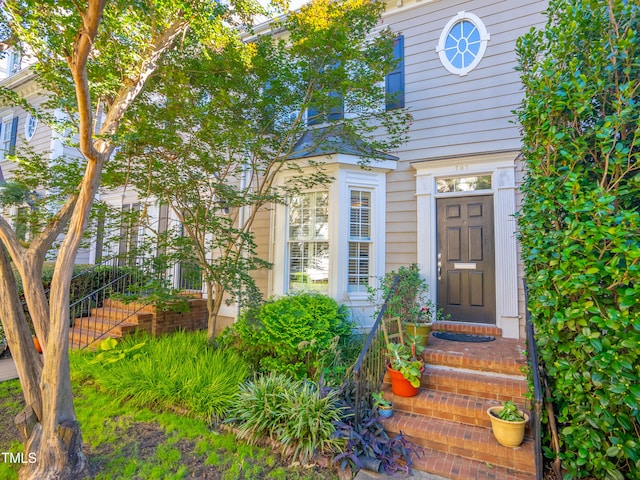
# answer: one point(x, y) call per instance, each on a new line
point(308, 242)
point(360, 242)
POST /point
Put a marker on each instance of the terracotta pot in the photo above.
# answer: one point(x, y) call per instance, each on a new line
point(400, 385)
point(36, 343)
point(509, 434)
point(422, 329)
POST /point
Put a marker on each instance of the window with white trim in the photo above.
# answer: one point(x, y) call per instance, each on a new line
point(360, 242)
point(30, 126)
point(308, 242)
point(462, 43)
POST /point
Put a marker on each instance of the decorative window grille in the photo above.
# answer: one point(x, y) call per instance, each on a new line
point(308, 242)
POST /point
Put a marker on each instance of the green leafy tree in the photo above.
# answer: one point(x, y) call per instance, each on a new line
point(218, 125)
point(580, 226)
point(91, 56)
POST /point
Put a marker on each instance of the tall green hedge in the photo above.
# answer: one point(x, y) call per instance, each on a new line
point(580, 226)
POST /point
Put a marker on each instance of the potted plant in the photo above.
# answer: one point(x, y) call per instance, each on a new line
point(409, 301)
point(384, 407)
point(508, 423)
point(405, 370)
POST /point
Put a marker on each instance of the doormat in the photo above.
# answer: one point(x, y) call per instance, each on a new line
point(463, 337)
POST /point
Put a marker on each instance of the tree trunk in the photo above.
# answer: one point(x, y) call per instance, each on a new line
point(212, 312)
point(28, 362)
point(56, 441)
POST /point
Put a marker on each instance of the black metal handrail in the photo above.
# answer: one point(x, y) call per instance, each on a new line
point(131, 280)
point(536, 411)
point(368, 371)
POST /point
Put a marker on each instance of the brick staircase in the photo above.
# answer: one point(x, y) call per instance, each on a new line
point(448, 417)
point(114, 319)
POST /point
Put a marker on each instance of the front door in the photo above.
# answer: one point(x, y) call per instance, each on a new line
point(466, 259)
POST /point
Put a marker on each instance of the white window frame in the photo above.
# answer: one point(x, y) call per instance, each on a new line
point(347, 176)
point(484, 38)
point(30, 126)
point(306, 240)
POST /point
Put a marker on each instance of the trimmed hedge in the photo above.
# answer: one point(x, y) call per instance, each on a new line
point(580, 226)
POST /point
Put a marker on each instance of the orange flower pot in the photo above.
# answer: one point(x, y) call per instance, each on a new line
point(36, 343)
point(400, 385)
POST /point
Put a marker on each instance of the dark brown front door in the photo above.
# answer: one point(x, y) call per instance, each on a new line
point(466, 259)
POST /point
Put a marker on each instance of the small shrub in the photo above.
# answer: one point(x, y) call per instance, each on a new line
point(296, 334)
point(296, 413)
point(368, 440)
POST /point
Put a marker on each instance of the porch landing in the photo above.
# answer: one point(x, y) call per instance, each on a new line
point(448, 417)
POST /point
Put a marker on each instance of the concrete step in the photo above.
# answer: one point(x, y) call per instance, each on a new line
point(465, 441)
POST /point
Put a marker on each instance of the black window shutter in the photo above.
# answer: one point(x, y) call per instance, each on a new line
point(14, 136)
point(394, 84)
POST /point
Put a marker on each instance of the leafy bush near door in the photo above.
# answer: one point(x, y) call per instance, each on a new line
point(580, 226)
point(297, 334)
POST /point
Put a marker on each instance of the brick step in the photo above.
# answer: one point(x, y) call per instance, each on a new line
point(118, 314)
point(465, 409)
point(465, 441)
point(470, 328)
point(110, 303)
point(81, 336)
point(457, 468)
point(488, 386)
point(117, 327)
point(503, 355)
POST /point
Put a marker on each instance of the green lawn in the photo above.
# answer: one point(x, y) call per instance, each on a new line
point(128, 433)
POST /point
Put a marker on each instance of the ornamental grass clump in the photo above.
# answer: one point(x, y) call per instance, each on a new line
point(295, 413)
point(177, 372)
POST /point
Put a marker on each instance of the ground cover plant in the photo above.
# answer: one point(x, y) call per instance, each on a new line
point(179, 371)
point(134, 442)
point(580, 227)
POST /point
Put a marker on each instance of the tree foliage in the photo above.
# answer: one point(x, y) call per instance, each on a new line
point(218, 124)
point(580, 226)
point(92, 57)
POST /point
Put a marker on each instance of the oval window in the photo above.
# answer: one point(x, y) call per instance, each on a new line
point(30, 126)
point(462, 43)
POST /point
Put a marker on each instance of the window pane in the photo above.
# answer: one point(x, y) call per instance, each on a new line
point(358, 267)
point(464, 184)
point(360, 241)
point(308, 249)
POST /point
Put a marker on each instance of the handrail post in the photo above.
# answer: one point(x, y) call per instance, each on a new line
point(536, 420)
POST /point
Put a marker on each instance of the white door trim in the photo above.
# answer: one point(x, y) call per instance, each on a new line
point(502, 167)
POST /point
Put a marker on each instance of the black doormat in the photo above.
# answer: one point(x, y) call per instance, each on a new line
point(463, 337)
